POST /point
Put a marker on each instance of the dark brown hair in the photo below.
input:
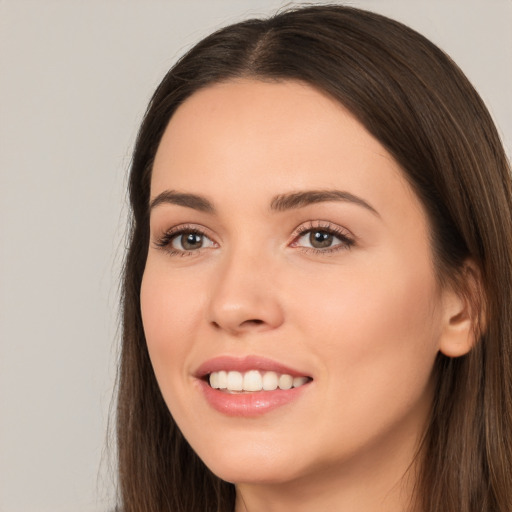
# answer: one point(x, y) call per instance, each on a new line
point(420, 106)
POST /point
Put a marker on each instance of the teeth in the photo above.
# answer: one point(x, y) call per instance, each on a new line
point(253, 380)
point(285, 381)
point(299, 381)
point(270, 381)
point(222, 379)
point(214, 380)
point(235, 381)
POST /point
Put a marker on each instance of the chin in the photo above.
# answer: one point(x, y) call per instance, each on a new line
point(249, 473)
point(252, 464)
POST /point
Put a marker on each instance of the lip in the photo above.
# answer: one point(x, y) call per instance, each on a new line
point(244, 364)
point(250, 404)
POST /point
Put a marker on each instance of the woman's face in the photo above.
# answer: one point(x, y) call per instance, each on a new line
point(287, 249)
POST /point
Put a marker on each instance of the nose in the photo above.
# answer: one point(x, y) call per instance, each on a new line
point(245, 297)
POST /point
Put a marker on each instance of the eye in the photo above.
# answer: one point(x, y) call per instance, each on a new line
point(323, 238)
point(319, 239)
point(190, 241)
point(184, 240)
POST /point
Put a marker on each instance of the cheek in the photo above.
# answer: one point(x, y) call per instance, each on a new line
point(169, 309)
point(376, 330)
point(370, 305)
point(374, 335)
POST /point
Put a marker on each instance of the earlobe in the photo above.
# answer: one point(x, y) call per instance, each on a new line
point(463, 313)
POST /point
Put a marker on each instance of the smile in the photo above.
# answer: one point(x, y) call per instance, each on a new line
point(250, 386)
point(254, 380)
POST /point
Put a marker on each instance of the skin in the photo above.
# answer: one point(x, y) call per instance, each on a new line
point(364, 320)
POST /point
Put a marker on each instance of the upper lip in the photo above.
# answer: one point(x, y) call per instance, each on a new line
point(244, 364)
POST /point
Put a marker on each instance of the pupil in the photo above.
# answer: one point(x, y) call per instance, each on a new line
point(320, 239)
point(191, 241)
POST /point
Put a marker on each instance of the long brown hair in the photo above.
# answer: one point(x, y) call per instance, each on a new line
point(420, 106)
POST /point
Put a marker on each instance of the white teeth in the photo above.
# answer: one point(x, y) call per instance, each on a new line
point(285, 381)
point(270, 381)
point(214, 380)
point(253, 380)
point(235, 381)
point(299, 381)
point(222, 380)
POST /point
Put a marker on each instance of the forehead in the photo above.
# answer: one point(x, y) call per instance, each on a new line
point(273, 137)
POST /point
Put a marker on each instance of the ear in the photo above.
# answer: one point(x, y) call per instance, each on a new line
point(463, 312)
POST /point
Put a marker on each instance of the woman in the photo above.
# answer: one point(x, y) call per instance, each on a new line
point(318, 280)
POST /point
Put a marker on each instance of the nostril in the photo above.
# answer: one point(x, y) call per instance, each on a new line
point(244, 326)
point(252, 322)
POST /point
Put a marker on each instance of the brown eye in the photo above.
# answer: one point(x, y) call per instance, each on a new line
point(324, 240)
point(320, 239)
point(190, 241)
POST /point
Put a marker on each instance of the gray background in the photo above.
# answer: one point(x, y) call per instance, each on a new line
point(75, 77)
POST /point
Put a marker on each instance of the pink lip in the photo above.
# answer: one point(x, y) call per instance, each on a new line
point(247, 404)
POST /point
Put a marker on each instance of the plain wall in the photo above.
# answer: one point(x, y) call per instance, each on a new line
point(75, 77)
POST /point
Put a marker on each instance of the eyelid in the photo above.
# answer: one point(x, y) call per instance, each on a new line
point(347, 238)
point(322, 225)
point(164, 240)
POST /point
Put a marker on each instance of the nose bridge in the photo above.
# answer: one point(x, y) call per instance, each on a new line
point(244, 297)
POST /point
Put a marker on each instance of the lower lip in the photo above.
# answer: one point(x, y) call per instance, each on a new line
point(250, 404)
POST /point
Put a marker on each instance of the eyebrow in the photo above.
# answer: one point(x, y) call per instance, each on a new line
point(193, 201)
point(301, 199)
point(280, 203)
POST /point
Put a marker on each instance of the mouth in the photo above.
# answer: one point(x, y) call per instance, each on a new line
point(250, 386)
point(233, 381)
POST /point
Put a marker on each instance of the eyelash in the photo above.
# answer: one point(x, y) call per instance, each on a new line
point(343, 235)
point(165, 241)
